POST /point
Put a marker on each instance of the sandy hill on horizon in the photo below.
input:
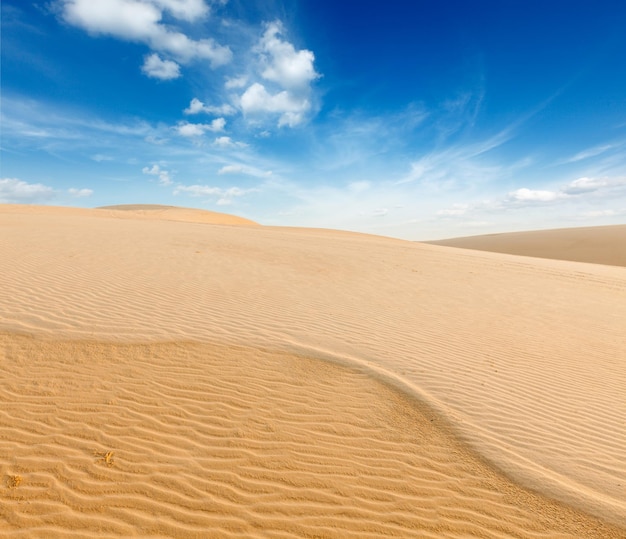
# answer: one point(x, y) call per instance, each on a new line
point(598, 245)
point(183, 379)
point(177, 213)
point(134, 211)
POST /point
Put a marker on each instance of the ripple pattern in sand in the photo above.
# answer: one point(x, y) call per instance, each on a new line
point(197, 440)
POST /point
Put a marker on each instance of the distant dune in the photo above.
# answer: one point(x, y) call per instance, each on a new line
point(173, 378)
point(598, 245)
point(175, 213)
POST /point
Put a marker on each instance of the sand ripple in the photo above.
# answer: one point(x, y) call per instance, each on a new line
point(190, 440)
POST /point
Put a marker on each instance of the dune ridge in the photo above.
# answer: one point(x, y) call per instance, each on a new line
point(596, 245)
point(522, 358)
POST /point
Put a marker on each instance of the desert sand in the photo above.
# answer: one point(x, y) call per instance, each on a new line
point(169, 373)
point(597, 245)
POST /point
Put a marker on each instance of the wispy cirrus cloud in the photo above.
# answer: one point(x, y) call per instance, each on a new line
point(594, 151)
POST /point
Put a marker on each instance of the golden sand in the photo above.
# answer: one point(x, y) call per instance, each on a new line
point(164, 378)
point(597, 245)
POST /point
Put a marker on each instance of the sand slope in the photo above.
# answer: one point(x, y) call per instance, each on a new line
point(302, 383)
point(599, 245)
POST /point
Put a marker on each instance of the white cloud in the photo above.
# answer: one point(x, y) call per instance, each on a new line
point(188, 10)
point(531, 195)
point(155, 170)
point(227, 142)
point(140, 21)
point(196, 106)
point(244, 169)
point(190, 130)
point(580, 191)
point(380, 212)
point(235, 82)
point(281, 62)
point(289, 74)
point(585, 185)
point(80, 193)
point(187, 129)
point(14, 191)
point(292, 109)
point(592, 152)
point(155, 67)
point(198, 190)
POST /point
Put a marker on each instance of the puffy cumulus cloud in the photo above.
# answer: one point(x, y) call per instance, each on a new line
point(291, 108)
point(156, 170)
point(14, 191)
point(80, 193)
point(288, 74)
point(156, 68)
point(224, 196)
point(196, 106)
point(187, 129)
point(282, 63)
point(141, 21)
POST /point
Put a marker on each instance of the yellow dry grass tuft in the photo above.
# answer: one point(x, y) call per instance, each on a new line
point(14, 481)
point(106, 457)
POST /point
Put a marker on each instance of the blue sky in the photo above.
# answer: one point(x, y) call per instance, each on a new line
point(414, 119)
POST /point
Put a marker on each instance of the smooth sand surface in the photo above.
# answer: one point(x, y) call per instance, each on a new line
point(599, 245)
point(164, 378)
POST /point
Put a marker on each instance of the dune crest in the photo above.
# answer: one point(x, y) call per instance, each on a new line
point(343, 344)
point(133, 211)
point(597, 245)
point(176, 213)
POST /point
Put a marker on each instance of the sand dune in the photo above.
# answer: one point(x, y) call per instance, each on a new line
point(175, 213)
point(133, 211)
point(598, 245)
point(165, 378)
